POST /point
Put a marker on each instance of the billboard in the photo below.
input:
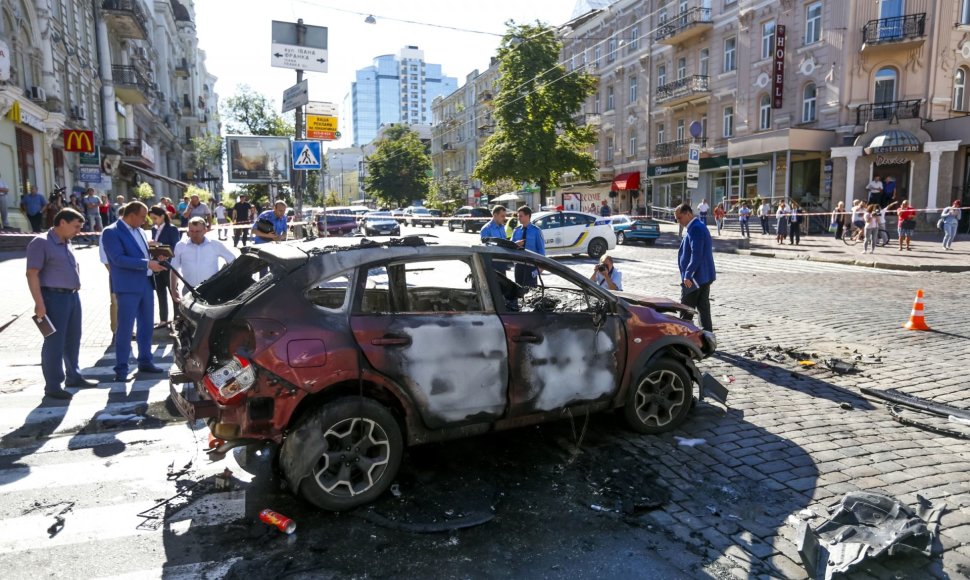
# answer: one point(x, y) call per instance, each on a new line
point(256, 159)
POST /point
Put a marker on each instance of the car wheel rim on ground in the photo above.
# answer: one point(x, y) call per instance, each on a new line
point(357, 455)
point(659, 398)
point(621, 238)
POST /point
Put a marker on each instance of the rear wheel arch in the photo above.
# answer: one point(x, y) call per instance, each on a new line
point(395, 401)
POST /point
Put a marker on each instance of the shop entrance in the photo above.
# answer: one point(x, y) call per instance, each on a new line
point(897, 173)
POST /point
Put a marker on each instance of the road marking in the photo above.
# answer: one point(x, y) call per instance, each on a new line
point(210, 569)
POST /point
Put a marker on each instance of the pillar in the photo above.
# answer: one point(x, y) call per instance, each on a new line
point(108, 114)
point(936, 149)
point(851, 155)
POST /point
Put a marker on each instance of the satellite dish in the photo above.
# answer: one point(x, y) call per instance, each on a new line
point(696, 129)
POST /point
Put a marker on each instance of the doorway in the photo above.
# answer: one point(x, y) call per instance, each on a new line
point(898, 174)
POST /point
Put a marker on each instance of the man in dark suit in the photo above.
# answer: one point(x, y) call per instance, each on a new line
point(131, 280)
point(696, 261)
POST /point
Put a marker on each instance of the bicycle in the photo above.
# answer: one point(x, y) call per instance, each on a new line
point(853, 235)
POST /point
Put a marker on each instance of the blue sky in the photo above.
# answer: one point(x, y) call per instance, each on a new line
point(236, 37)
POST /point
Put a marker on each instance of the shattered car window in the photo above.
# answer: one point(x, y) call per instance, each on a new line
point(421, 286)
point(377, 294)
point(553, 293)
point(331, 293)
point(239, 279)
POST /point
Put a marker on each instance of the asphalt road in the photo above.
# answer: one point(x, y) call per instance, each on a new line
point(579, 498)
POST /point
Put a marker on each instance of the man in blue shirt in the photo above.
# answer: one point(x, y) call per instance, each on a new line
point(496, 227)
point(528, 236)
point(605, 275)
point(696, 262)
point(33, 204)
point(605, 210)
point(275, 216)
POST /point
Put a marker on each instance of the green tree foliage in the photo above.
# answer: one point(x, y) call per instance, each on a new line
point(499, 187)
point(144, 192)
point(206, 150)
point(536, 138)
point(398, 171)
point(250, 113)
point(446, 193)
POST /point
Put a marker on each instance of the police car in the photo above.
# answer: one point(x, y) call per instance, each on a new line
point(573, 232)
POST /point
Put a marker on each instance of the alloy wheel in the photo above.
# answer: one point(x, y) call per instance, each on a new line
point(660, 397)
point(355, 458)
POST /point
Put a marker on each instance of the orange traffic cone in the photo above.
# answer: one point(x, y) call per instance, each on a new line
point(916, 320)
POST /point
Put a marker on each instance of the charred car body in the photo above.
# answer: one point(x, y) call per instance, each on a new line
point(346, 355)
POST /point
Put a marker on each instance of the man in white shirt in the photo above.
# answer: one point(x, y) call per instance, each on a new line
point(764, 214)
point(197, 258)
point(4, 190)
point(221, 220)
point(874, 188)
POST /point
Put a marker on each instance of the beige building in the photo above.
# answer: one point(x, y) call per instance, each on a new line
point(863, 88)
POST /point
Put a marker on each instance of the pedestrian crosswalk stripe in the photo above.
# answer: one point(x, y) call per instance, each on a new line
point(210, 569)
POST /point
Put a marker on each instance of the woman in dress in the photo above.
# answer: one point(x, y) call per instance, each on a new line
point(781, 223)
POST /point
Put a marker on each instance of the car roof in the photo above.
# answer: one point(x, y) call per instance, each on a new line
point(541, 214)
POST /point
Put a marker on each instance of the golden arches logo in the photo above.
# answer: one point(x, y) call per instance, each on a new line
point(78, 141)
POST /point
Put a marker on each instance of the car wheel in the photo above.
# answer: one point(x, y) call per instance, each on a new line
point(352, 448)
point(464, 227)
point(597, 248)
point(660, 399)
point(450, 228)
point(620, 238)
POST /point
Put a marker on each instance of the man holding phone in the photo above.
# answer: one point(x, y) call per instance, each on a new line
point(695, 260)
point(605, 275)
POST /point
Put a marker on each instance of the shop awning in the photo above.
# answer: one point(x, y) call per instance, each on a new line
point(780, 141)
point(626, 181)
point(154, 175)
point(511, 196)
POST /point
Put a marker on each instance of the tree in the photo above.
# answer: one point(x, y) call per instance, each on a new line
point(398, 172)
point(499, 187)
point(446, 193)
point(250, 113)
point(144, 192)
point(536, 138)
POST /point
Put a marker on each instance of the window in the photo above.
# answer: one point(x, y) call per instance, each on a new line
point(634, 38)
point(808, 103)
point(596, 103)
point(813, 23)
point(421, 286)
point(609, 98)
point(703, 126)
point(728, 121)
point(633, 143)
point(767, 39)
point(680, 130)
point(330, 294)
point(661, 75)
point(960, 90)
point(596, 55)
point(964, 11)
point(609, 149)
point(681, 68)
point(730, 54)
point(611, 50)
point(662, 16)
point(885, 87)
point(577, 219)
point(764, 113)
point(660, 133)
point(705, 57)
point(633, 90)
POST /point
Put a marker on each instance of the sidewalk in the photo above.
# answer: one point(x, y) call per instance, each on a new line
point(927, 253)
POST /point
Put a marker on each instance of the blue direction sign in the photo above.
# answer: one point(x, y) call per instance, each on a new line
point(306, 155)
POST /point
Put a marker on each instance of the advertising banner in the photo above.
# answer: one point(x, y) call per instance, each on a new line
point(257, 159)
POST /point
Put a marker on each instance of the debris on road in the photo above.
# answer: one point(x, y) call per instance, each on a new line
point(907, 400)
point(686, 442)
point(897, 402)
point(57, 526)
point(395, 490)
point(223, 480)
point(840, 367)
point(277, 520)
point(866, 525)
point(846, 405)
point(807, 363)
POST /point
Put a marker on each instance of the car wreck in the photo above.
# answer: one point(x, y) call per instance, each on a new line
point(344, 355)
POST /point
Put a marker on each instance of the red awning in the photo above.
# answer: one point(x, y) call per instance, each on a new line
point(626, 181)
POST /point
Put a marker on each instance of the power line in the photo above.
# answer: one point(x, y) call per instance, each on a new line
point(371, 15)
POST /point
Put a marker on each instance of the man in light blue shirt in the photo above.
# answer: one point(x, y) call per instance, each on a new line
point(32, 205)
point(528, 236)
point(607, 276)
point(275, 216)
point(496, 227)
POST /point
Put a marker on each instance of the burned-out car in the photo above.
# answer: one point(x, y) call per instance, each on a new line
point(345, 355)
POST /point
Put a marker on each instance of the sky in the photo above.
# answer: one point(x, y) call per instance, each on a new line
point(235, 35)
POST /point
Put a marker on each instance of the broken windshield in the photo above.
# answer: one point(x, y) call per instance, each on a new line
point(240, 279)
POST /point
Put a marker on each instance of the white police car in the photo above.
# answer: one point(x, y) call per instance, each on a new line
point(573, 232)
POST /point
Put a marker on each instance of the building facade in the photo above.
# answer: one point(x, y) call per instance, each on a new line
point(114, 67)
point(395, 89)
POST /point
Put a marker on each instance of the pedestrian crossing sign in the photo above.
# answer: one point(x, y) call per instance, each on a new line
point(306, 155)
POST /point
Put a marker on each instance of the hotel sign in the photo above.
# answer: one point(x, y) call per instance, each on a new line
point(778, 73)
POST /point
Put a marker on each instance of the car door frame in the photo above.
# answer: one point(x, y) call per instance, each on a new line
point(394, 343)
point(532, 352)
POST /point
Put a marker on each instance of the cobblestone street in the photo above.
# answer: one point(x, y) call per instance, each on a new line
point(795, 436)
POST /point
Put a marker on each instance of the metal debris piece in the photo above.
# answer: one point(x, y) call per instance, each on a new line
point(807, 363)
point(223, 480)
point(846, 405)
point(840, 367)
point(866, 525)
point(905, 399)
point(685, 442)
point(56, 527)
point(395, 490)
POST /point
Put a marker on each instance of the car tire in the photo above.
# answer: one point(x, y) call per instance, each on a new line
point(364, 430)
point(620, 238)
point(464, 227)
point(660, 399)
point(450, 228)
point(597, 247)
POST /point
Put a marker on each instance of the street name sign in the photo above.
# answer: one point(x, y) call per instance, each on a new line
point(296, 96)
point(306, 155)
point(321, 108)
point(299, 46)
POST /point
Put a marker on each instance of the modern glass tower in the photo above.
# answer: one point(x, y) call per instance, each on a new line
point(397, 88)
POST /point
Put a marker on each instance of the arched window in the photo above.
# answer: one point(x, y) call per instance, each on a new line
point(885, 87)
point(960, 90)
point(809, 112)
point(764, 114)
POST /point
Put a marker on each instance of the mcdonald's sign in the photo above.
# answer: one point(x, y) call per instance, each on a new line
point(78, 141)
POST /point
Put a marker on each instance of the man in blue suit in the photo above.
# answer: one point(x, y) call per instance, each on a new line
point(132, 281)
point(696, 261)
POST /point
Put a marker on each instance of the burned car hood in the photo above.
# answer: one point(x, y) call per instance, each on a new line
point(657, 303)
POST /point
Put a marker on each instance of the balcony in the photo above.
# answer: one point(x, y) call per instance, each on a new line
point(894, 33)
point(182, 68)
point(131, 85)
point(685, 26)
point(138, 152)
point(683, 90)
point(676, 148)
point(887, 111)
point(126, 18)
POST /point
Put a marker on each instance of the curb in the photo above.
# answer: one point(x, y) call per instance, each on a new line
point(949, 268)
